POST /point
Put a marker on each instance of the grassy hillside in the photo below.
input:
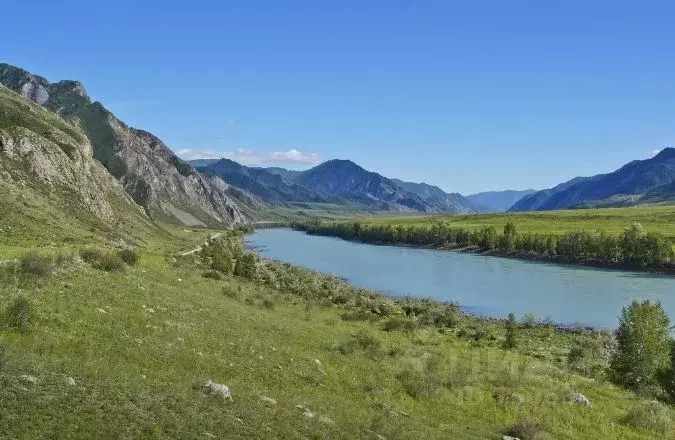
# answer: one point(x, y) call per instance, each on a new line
point(139, 343)
point(655, 218)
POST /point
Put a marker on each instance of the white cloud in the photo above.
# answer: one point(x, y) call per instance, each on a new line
point(655, 152)
point(250, 157)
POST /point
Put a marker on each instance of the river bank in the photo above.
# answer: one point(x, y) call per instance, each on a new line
point(636, 250)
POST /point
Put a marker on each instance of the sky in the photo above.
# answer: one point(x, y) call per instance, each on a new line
point(470, 96)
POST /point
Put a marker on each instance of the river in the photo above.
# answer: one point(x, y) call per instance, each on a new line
point(483, 285)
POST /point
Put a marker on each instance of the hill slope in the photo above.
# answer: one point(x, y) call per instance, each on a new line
point(168, 188)
point(344, 178)
point(439, 200)
point(48, 174)
point(640, 181)
point(498, 201)
point(268, 186)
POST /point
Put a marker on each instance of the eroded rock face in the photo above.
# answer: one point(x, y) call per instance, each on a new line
point(168, 188)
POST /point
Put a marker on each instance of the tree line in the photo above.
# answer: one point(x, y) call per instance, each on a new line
point(634, 247)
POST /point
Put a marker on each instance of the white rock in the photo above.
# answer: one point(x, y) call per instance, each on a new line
point(508, 437)
point(70, 381)
point(28, 379)
point(579, 399)
point(309, 414)
point(216, 390)
point(268, 400)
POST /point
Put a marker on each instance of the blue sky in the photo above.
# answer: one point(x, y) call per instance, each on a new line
point(470, 96)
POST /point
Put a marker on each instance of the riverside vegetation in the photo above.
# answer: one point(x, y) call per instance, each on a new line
point(634, 248)
point(121, 350)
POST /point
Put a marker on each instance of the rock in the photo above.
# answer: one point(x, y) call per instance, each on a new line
point(579, 399)
point(318, 362)
point(28, 379)
point(508, 437)
point(217, 390)
point(268, 400)
point(309, 414)
point(325, 420)
point(70, 381)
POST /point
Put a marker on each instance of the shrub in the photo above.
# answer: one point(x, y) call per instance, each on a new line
point(231, 291)
point(36, 265)
point(91, 255)
point(66, 259)
point(529, 320)
point(213, 274)
point(511, 341)
point(527, 430)
point(421, 380)
point(363, 340)
point(110, 263)
point(19, 314)
point(268, 303)
point(643, 346)
point(359, 315)
point(400, 324)
point(129, 256)
point(650, 415)
point(367, 341)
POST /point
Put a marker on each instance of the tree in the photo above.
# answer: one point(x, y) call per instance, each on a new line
point(643, 346)
point(511, 340)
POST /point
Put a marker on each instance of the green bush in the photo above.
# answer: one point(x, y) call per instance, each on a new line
point(400, 324)
point(129, 256)
point(231, 291)
point(527, 430)
point(652, 416)
point(66, 259)
point(359, 315)
point(91, 255)
point(213, 274)
point(643, 347)
point(511, 340)
point(110, 263)
point(19, 314)
point(102, 260)
point(421, 381)
point(36, 266)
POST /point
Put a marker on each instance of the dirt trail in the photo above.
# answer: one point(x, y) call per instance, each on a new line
point(199, 248)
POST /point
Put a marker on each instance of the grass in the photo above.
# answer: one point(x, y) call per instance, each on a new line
point(139, 345)
point(655, 218)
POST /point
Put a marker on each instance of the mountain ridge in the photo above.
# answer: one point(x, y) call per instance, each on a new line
point(639, 181)
point(163, 184)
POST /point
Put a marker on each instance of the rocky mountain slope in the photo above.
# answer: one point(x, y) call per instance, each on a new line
point(640, 181)
point(167, 187)
point(340, 182)
point(439, 200)
point(47, 170)
point(498, 201)
point(264, 184)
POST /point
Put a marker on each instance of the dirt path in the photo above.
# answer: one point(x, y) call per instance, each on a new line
point(199, 248)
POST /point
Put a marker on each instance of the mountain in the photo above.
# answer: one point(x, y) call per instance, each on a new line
point(347, 180)
point(498, 201)
point(164, 185)
point(640, 181)
point(283, 172)
point(50, 184)
point(439, 200)
point(268, 186)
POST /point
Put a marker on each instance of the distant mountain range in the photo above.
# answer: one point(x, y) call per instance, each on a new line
point(498, 201)
point(339, 182)
point(638, 182)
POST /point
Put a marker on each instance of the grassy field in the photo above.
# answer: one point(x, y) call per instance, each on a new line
point(139, 344)
point(655, 218)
